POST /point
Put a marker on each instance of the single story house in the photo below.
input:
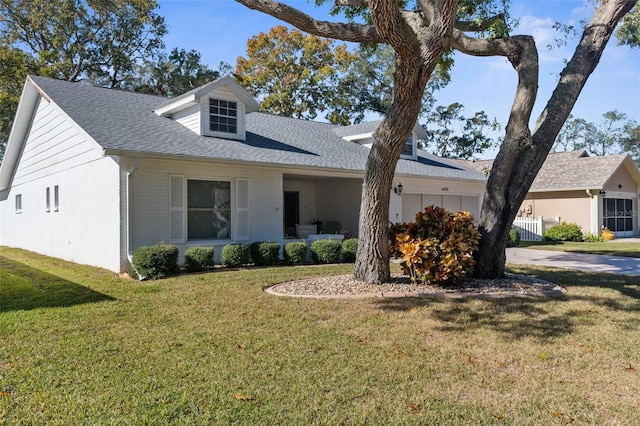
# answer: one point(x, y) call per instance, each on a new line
point(90, 174)
point(594, 192)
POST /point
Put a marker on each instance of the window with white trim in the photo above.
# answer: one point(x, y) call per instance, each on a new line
point(48, 199)
point(208, 210)
point(18, 203)
point(223, 116)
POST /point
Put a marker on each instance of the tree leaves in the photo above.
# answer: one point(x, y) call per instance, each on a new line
point(295, 75)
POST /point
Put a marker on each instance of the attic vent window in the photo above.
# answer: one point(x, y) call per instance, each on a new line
point(223, 116)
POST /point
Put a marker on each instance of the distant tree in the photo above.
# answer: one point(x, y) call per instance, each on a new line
point(450, 134)
point(14, 65)
point(295, 75)
point(616, 133)
point(100, 41)
point(174, 73)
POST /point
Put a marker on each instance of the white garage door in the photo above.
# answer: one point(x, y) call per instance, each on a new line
point(414, 203)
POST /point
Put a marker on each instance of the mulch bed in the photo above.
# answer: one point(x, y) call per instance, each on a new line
point(345, 286)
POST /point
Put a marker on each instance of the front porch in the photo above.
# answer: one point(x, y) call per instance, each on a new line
point(315, 205)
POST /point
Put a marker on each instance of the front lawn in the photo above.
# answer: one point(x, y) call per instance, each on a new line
point(80, 346)
point(612, 248)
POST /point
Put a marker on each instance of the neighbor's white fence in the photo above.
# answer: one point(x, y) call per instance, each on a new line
point(531, 228)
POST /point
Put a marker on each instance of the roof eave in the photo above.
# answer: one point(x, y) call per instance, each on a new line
point(31, 93)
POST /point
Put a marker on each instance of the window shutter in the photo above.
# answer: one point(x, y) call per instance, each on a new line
point(176, 208)
point(242, 209)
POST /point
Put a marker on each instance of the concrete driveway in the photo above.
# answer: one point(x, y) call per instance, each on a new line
point(578, 261)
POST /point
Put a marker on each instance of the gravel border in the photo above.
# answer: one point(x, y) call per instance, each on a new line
point(345, 286)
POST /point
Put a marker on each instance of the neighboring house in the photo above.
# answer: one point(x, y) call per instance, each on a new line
point(594, 192)
point(90, 174)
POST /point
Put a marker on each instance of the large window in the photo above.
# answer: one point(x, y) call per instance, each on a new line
point(208, 210)
point(618, 214)
point(223, 116)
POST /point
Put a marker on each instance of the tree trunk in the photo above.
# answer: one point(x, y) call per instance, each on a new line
point(372, 259)
point(521, 157)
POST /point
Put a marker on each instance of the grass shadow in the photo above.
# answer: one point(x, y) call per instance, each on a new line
point(513, 318)
point(23, 287)
point(538, 317)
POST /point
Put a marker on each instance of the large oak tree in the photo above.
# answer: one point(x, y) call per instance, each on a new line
point(420, 33)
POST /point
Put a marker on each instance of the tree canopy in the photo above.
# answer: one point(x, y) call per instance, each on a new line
point(296, 75)
point(452, 135)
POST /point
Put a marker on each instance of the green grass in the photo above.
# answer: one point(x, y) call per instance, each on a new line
point(80, 346)
point(612, 248)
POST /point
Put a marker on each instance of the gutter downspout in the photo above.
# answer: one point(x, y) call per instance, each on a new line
point(129, 220)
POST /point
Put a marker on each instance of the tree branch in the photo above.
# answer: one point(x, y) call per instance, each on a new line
point(358, 33)
point(483, 25)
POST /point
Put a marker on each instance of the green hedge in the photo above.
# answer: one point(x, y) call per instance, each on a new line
point(563, 232)
point(264, 253)
point(199, 259)
point(156, 261)
point(235, 255)
point(295, 252)
point(349, 250)
point(514, 238)
point(325, 251)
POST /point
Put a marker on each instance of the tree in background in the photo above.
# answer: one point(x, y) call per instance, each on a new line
point(420, 33)
point(15, 65)
point(101, 40)
point(173, 74)
point(615, 134)
point(368, 84)
point(452, 135)
point(296, 75)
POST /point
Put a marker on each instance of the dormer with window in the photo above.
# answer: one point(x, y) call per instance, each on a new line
point(216, 109)
point(363, 135)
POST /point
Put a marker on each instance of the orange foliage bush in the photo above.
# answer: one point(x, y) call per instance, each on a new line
point(437, 247)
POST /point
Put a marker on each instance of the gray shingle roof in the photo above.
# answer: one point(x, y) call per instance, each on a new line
point(566, 170)
point(124, 122)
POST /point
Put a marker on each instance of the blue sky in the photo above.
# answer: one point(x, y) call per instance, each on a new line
point(219, 30)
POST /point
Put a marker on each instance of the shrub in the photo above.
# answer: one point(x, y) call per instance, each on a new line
point(155, 261)
point(349, 249)
point(233, 255)
point(514, 238)
point(437, 247)
point(295, 252)
point(199, 259)
point(325, 251)
point(563, 232)
point(593, 238)
point(264, 253)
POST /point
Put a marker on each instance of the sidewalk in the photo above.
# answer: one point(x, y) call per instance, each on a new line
point(578, 261)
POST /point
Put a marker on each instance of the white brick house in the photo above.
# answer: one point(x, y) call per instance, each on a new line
point(89, 174)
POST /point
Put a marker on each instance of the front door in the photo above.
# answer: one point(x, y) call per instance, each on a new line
point(291, 213)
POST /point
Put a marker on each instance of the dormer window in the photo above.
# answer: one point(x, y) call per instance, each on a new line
point(223, 116)
point(409, 151)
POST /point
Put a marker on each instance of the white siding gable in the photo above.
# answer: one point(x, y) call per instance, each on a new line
point(54, 144)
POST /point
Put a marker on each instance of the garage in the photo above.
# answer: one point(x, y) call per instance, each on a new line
point(414, 203)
